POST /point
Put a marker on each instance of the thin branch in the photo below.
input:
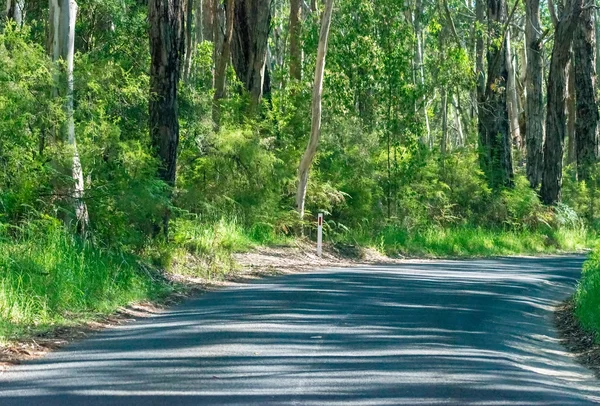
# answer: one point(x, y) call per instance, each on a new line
point(452, 26)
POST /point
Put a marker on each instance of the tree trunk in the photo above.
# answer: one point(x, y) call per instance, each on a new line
point(511, 88)
point(249, 46)
point(571, 113)
point(220, 72)
point(494, 131)
point(444, 141)
point(586, 126)
point(15, 10)
point(63, 19)
point(317, 95)
point(555, 119)
point(295, 44)
point(535, 105)
point(420, 69)
point(208, 17)
point(167, 47)
point(190, 42)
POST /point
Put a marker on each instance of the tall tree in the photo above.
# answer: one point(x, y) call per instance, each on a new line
point(167, 47)
point(63, 16)
point(586, 125)
point(190, 41)
point(295, 43)
point(415, 16)
point(252, 20)
point(557, 82)
point(494, 133)
point(535, 104)
point(222, 61)
point(511, 98)
point(317, 96)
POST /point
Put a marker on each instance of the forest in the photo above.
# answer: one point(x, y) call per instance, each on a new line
point(137, 133)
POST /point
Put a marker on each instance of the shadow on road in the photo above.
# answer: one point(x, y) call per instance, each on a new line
point(454, 332)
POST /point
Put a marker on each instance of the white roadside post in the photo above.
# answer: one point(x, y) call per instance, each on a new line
point(320, 235)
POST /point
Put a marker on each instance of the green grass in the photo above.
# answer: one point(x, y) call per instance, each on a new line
point(472, 242)
point(587, 297)
point(213, 245)
point(48, 278)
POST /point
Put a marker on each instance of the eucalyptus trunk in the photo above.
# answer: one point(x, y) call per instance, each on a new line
point(535, 105)
point(223, 60)
point(295, 43)
point(494, 132)
point(317, 95)
point(15, 10)
point(167, 48)
point(586, 125)
point(63, 19)
point(557, 83)
point(512, 101)
point(252, 20)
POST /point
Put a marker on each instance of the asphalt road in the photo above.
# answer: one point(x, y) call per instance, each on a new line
point(447, 332)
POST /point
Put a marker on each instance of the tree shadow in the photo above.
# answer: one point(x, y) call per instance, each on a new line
point(453, 332)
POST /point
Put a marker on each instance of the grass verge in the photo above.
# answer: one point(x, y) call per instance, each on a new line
point(49, 278)
point(587, 296)
point(465, 242)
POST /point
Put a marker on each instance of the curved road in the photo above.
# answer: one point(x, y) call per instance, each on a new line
point(445, 332)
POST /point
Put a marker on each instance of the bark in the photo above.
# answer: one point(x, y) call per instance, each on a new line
point(220, 72)
point(460, 140)
point(535, 105)
point(63, 19)
point(555, 119)
point(494, 131)
point(252, 19)
point(419, 67)
point(444, 141)
point(190, 42)
point(511, 88)
point(15, 10)
point(295, 44)
point(586, 125)
point(167, 47)
point(571, 113)
point(317, 95)
point(208, 16)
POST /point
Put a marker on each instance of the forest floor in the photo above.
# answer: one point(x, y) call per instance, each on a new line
point(257, 263)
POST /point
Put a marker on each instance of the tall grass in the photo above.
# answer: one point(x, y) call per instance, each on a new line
point(468, 241)
point(48, 277)
point(587, 297)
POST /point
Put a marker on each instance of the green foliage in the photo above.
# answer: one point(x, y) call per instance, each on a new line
point(587, 297)
point(379, 175)
point(49, 277)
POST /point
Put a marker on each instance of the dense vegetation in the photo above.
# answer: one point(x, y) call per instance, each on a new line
point(161, 140)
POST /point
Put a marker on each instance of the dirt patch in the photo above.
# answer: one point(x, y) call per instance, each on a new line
point(581, 343)
point(259, 263)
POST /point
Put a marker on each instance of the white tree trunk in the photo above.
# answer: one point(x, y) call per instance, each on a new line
point(63, 47)
point(317, 96)
point(511, 88)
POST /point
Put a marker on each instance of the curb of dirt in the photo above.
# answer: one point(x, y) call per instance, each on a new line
point(581, 343)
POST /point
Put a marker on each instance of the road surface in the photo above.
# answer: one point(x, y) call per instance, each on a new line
point(420, 333)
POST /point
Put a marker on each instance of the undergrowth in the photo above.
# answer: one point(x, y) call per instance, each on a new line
point(50, 278)
point(587, 297)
